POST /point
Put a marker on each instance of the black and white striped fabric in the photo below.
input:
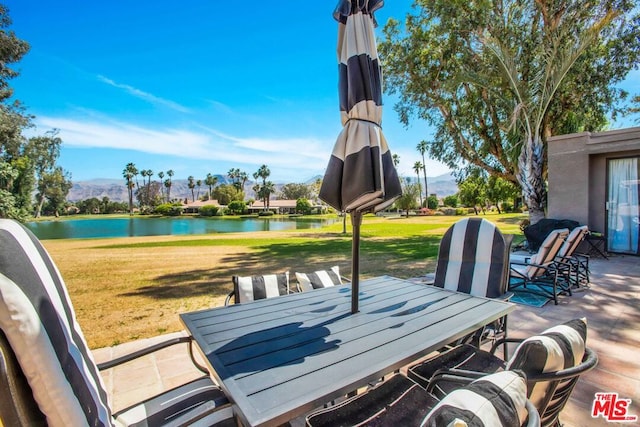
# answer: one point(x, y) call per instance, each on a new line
point(557, 348)
point(319, 279)
point(360, 175)
point(473, 258)
point(37, 317)
point(494, 400)
point(250, 288)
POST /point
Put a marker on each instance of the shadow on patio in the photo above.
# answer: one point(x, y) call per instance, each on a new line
point(611, 305)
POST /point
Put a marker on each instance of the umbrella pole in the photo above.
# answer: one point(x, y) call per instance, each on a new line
point(356, 220)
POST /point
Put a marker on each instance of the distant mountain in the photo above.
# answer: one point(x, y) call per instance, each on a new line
point(441, 185)
point(116, 190)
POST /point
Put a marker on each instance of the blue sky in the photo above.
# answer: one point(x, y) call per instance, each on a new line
point(194, 86)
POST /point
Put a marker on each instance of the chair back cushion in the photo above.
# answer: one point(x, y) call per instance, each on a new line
point(573, 241)
point(547, 252)
point(494, 400)
point(319, 279)
point(250, 288)
point(473, 258)
point(38, 320)
point(557, 348)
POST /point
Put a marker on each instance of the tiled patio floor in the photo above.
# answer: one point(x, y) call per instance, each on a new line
point(611, 305)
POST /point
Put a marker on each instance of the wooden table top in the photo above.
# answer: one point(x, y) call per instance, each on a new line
point(282, 357)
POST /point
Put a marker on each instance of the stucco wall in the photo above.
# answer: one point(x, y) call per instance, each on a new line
point(578, 173)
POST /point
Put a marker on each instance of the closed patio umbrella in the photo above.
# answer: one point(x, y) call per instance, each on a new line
point(360, 176)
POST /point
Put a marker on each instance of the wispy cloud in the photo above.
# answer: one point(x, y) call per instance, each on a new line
point(144, 95)
point(304, 154)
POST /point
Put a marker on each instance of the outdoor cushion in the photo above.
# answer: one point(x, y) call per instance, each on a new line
point(473, 258)
point(319, 279)
point(36, 312)
point(494, 400)
point(250, 288)
point(557, 348)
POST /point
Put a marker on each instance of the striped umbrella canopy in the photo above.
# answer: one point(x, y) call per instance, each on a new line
point(360, 176)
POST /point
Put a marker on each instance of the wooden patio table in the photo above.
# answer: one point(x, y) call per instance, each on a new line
point(279, 358)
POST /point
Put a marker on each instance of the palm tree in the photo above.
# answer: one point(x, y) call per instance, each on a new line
point(192, 185)
point(149, 175)
point(199, 184)
point(242, 178)
point(129, 173)
point(422, 148)
point(168, 184)
point(233, 174)
point(105, 204)
point(417, 166)
point(211, 182)
point(161, 175)
point(267, 187)
point(533, 96)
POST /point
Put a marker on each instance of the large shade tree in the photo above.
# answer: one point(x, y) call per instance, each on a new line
point(27, 165)
point(496, 78)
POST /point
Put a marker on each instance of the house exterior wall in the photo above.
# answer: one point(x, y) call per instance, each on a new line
point(577, 173)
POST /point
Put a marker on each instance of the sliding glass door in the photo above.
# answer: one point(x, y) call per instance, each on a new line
point(623, 210)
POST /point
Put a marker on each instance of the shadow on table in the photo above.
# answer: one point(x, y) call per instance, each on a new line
point(285, 345)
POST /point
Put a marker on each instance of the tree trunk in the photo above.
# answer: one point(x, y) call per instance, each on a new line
point(39, 206)
point(530, 178)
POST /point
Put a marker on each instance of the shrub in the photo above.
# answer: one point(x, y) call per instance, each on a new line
point(265, 213)
point(451, 201)
point(169, 209)
point(237, 207)
point(303, 205)
point(208, 210)
point(447, 211)
point(460, 211)
point(507, 207)
point(432, 202)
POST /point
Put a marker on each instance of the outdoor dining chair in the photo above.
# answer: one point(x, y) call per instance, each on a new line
point(474, 258)
point(251, 288)
point(494, 400)
point(552, 361)
point(538, 273)
point(47, 372)
point(320, 279)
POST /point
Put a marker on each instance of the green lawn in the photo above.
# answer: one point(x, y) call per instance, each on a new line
point(130, 288)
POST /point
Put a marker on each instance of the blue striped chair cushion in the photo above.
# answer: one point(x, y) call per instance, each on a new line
point(37, 317)
point(494, 400)
point(557, 348)
point(319, 279)
point(250, 288)
point(473, 258)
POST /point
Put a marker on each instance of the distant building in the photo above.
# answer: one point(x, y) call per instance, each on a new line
point(594, 178)
point(280, 206)
point(194, 207)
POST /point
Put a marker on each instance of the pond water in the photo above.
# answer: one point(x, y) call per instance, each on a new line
point(129, 227)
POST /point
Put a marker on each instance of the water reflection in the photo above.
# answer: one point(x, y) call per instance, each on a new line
point(123, 227)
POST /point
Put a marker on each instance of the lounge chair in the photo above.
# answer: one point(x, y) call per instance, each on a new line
point(474, 258)
point(573, 265)
point(495, 400)
point(538, 273)
point(552, 361)
point(47, 372)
